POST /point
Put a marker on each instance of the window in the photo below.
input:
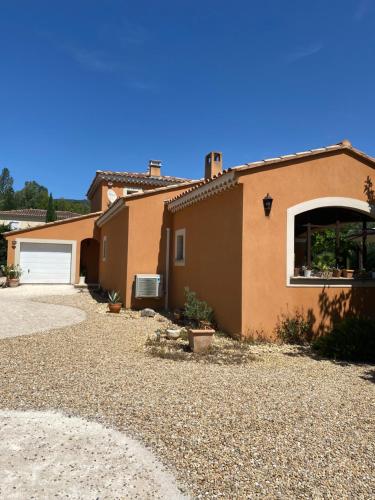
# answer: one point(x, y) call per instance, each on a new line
point(128, 191)
point(179, 247)
point(104, 249)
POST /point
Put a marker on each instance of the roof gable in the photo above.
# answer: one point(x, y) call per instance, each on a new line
point(228, 178)
point(140, 179)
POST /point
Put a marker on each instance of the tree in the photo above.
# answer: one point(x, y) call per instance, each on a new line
point(6, 190)
point(51, 212)
point(32, 195)
point(3, 244)
point(9, 202)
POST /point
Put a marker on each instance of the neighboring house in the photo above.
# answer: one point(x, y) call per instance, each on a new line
point(30, 217)
point(234, 237)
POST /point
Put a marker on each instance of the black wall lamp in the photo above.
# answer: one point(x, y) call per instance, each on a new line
point(267, 204)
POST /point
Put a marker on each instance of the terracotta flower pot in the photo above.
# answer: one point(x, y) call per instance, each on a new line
point(200, 340)
point(336, 273)
point(13, 282)
point(114, 308)
point(347, 273)
point(297, 272)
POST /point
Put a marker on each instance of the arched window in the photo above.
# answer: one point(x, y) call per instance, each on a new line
point(330, 239)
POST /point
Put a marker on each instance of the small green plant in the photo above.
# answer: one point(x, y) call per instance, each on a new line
point(197, 311)
point(12, 272)
point(293, 329)
point(114, 297)
point(353, 339)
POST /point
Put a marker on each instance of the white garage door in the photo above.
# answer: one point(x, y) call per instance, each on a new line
point(45, 262)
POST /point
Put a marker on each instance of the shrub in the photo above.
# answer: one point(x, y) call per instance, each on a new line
point(197, 310)
point(293, 329)
point(353, 339)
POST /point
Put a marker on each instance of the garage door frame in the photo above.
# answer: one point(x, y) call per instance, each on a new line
point(73, 244)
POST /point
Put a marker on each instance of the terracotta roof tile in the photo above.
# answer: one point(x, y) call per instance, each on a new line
point(37, 212)
point(139, 178)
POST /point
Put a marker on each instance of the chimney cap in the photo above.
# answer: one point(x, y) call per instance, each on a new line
point(155, 163)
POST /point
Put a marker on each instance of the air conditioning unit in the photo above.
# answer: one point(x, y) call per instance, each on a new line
point(148, 285)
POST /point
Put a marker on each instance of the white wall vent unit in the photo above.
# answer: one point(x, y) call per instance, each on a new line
point(148, 285)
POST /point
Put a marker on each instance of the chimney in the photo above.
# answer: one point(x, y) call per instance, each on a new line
point(213, 164)
point(154, 167)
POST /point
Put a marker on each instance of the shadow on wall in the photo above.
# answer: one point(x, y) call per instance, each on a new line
point(369, 191)
point(354, 302)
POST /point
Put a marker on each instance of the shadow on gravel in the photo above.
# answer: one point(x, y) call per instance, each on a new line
point(307, 351)
point(369, 376)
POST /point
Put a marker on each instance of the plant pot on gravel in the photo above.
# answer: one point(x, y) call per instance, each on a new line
point(200, 340)
point(200, 316)
point(114, 302)
point(12, 274)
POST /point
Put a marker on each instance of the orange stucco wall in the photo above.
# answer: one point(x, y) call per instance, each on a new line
point(67, 230)
point(112, 270)
point(264, 291)
point(145, 220)
point(213, 261)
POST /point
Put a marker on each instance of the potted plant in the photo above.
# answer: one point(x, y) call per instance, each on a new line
point(12, 274)
point(307, 271)
point(114, 302)
point(82, 276)
point(297, 272)
point(200, 315)
point(347, 273)
point(336, 272)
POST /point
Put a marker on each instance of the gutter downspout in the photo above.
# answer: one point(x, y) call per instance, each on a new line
point(167, 269)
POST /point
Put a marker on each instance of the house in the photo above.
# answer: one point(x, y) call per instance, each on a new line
point(30, 217)
point(235, 237)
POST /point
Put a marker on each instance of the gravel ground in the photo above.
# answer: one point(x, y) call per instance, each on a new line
point(280, 425)
point(51, 455)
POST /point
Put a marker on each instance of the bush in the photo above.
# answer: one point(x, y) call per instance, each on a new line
point(353, 339)
point(197, 310)
point(293, 329)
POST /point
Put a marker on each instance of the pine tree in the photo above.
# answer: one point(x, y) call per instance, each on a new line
point(51, 212)
point(8, 202)
point(6, 189)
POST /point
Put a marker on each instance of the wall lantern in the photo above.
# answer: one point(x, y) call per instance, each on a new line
point(14, 244)
point(267, 204)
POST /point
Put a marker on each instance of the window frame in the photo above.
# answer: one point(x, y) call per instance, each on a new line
point(179, 233)
point(104, 249)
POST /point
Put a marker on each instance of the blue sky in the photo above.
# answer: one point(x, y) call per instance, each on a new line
point(87, 85)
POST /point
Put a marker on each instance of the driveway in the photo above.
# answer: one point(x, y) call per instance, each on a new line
point(47, 454)
point(21, 314)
